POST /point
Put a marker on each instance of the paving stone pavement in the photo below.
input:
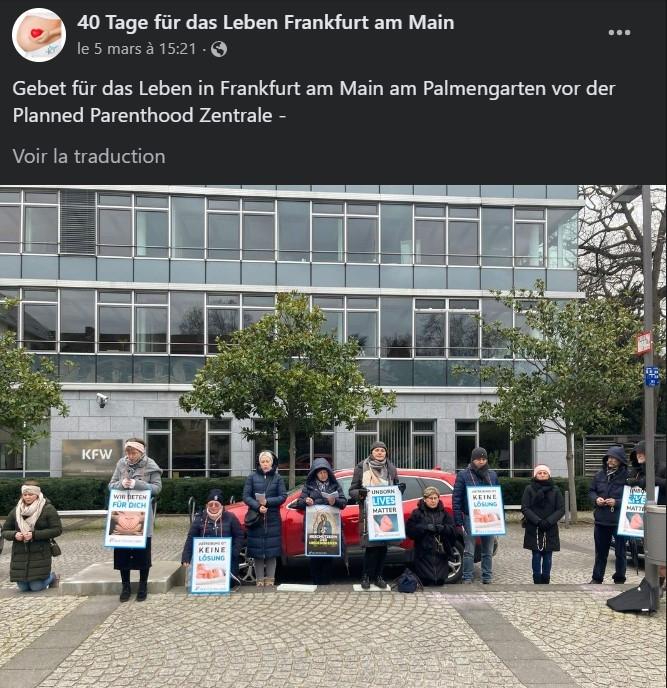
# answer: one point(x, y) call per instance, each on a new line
point(508, 634)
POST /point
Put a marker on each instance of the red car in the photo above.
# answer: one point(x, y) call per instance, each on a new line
point(292, 521)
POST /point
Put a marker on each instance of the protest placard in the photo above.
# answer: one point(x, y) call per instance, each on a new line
point(384, 514)
point(323, 531)
point(127, 518)
point(631, 519)
point(211, 565)
point(485, 506)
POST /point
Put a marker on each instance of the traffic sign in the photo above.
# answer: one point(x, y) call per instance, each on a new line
point(651, 376)
point(644, 343)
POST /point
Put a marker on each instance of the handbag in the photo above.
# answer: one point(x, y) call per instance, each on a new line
point(252, 518)
point(55, 548)
point(408, 582)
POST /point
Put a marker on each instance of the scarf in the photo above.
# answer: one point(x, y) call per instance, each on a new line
point(215, 517)
point(540, 490)
point(482, 473)
point(375, 472)
point(26, 516)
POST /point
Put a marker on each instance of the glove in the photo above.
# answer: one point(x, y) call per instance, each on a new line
point(431, 528)
point(440, 529)
point(362, 493)
point(544, 525)
point(460, 529)
point(401, 487)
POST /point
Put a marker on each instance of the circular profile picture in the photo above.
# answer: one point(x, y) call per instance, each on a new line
point(39, 35)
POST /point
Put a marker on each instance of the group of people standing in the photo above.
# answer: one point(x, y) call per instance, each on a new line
point(34, 522)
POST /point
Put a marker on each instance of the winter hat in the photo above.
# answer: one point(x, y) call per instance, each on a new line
point(616, 453)
point(431, 491)
point(31, 489)
point(541, 467)
point(378, 445)
point(640, 447)
point(478, 453)
point(215, 495)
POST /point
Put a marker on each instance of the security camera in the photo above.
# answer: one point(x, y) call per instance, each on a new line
point(102, 399)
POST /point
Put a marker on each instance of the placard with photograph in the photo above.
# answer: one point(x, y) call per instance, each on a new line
point(211, 565)
point(323, 531)
point(127, 518)
point(631, 519)
point(485, 506)
point(384, 513)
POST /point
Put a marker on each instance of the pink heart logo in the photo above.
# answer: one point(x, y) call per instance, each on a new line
point(36, 33)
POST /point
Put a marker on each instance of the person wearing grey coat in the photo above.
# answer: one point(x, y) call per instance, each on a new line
point(135, 471)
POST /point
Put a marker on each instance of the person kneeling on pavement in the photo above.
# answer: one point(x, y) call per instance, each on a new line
point(432, 529)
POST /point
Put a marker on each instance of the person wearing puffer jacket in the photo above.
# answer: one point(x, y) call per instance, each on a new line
point(321, 481)
point(606, 493)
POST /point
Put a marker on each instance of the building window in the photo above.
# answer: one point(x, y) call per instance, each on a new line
point(223, 318)
point(187, 220)
point(10, 223)
point(40, 228)
point(396, 327)
point(333, 308)
point(562, 238)
point(40, 319)
point(152, 227)
point(497, 237)
point(258, 230)
point(506, 457)
point(77, 320)
point(150, 323)
point(362, 324)
point(529, 237)
point(114, 318)
point(362, 233)
point(32, 461)
point(463, 328)
point(196, 447)
point(186, 322)
point(463, 236)
point(307, 448)
point(410, 443)
point(114, 225)
point(224, 229)
point(294, 231)
point(430, 327)
point(430, 235)
point(328, 221)
point(396, 232)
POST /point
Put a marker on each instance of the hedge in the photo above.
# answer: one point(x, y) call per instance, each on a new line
point(513, 490)
point(91, 493)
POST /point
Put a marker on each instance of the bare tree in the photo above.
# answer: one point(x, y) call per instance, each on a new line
point(610, 249)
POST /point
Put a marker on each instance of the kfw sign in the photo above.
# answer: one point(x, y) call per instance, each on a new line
point(90, 457)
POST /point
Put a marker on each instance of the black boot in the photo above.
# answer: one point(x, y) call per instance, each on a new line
point(546, 579)
point(537, 578)
point(142, 592)
point(125, 592)
point(365, 583)
point(380, 583)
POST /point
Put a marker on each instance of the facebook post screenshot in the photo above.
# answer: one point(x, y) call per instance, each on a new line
point(315, 308)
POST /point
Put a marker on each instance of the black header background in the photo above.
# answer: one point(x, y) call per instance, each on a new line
point(366, 139)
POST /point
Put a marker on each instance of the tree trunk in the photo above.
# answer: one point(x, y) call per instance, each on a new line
point(292, 457)
point(571, 485)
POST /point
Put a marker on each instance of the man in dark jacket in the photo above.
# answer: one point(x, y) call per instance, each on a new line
point(477, 473)
point(606, 493)
point(637, 471)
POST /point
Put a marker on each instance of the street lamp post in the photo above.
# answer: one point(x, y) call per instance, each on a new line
point(626, 195)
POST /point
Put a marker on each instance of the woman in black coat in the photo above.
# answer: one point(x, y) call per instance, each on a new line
point(214, 522)
point(321, 481)
point(432, 529)
point(30, 526)
point(265, 537)
point(543, 506)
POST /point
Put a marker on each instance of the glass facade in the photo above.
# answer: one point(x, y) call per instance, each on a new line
point(140, 288)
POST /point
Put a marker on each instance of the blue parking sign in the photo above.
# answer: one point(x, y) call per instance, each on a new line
point(651, 376)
